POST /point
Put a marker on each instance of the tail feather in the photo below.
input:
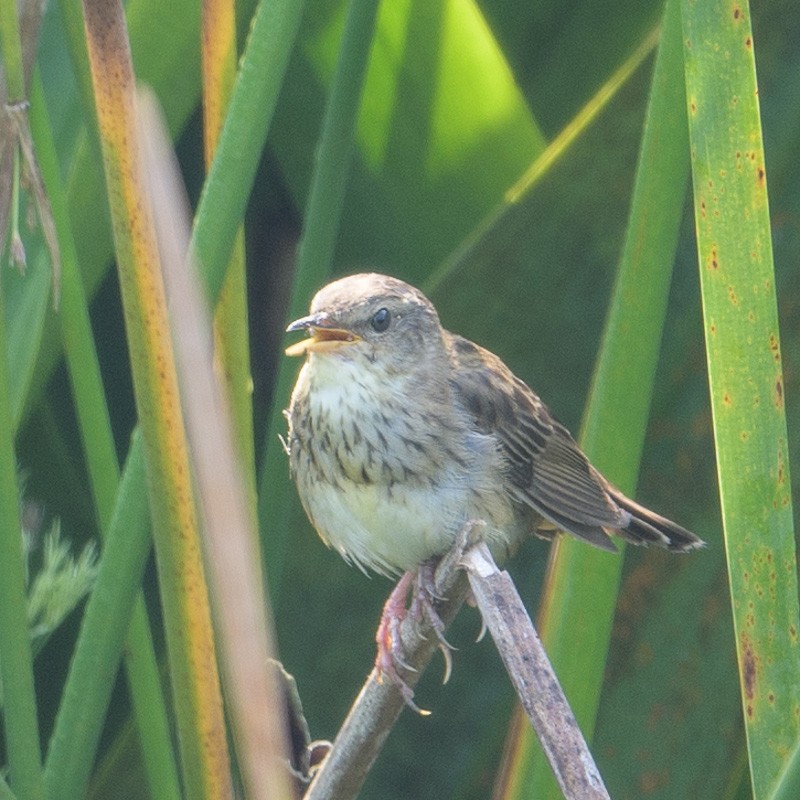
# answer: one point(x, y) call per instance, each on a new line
point(646, 527)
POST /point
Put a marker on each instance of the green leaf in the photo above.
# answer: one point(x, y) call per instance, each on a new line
point(734, 242)
point(103, 632)
point(789, 784)
point(5, 791)
point(420, 182)
point(16, 670)
point(576, 615)
point(27, 302)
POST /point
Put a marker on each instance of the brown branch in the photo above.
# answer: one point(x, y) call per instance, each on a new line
point(533, 677)
point(378, 706)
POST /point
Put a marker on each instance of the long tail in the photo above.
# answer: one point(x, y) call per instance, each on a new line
point(647, 527)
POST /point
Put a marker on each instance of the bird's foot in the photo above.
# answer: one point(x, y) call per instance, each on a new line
point(423, 607)
point(420, 584)
point(390, 649)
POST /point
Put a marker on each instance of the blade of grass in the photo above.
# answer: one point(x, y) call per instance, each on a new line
point(97, 655)
point(230, 539)
point(16, 668)
point(76, 327)
point(255, 94)
point(543, 162)
point(230, 326)
point(12, 51)
point(27, 305)
point(5, 791)
point(788, 786)
point(321, 223)
point(73, 28)
point(745, 375)
point(443, 130)
point(576, 609)
point(101, 459)
point(187, 617)
point(249, 115)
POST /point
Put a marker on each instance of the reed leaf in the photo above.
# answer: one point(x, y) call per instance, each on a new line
point(734, 243)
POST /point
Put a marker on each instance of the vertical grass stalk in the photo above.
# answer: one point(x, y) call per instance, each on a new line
point(101, 460)
point(230, 317)
point(252, 104)
point(187, 616)
point(582, 583)
point(745, 375)
point(16, 668)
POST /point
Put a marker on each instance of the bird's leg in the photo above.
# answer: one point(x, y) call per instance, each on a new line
point(388, 639)
point(422, 587)
point(423, 606)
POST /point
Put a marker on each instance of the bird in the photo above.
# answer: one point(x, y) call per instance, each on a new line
point(401, 433)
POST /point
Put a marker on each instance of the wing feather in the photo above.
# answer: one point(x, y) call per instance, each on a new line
point(546, 470)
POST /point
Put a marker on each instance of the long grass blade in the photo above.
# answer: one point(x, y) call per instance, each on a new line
point(544, 161)
point(232, 343)
point(745, 369)
point(16, 669)
point(252, 104)
point(87, 692)
point(187, 616)
point(5, 791)
point(582, 583)
point(101, 459)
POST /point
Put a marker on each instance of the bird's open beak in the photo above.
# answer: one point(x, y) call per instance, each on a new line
point(324, 336)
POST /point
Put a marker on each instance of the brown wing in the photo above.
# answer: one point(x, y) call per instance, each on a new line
point(546, 470)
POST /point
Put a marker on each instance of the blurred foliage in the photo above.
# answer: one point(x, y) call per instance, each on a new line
point(460, 98)
point(57, 581)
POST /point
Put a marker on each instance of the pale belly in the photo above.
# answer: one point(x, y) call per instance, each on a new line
point(388, 530)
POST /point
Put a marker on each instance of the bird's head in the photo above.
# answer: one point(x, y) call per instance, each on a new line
point(370, 316)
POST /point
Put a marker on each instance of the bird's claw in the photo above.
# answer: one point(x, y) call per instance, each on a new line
point(390, 652)
point(422, 585)
point(422, 606)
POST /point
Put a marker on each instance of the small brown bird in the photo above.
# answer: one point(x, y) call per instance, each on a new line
point(401, 432)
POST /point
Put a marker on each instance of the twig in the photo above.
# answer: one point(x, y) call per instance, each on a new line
point(533, 677)
point(378, 706)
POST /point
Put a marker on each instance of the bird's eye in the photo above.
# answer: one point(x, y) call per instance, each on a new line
point(380, 320)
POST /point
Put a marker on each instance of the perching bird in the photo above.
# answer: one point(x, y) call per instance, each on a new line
point(401, 432)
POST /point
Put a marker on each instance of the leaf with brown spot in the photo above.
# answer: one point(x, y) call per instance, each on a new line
point(750, 436)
